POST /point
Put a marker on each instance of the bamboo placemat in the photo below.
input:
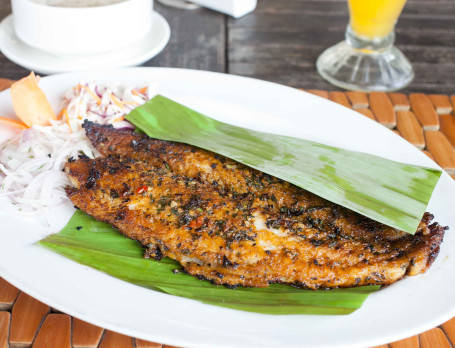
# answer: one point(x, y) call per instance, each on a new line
point(427, 121)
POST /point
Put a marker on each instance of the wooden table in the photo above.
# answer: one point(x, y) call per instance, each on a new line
point(280, 42)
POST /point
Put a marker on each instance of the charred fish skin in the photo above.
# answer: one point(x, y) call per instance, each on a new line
point(232, 178)
point(232, 239)
point(219, 171)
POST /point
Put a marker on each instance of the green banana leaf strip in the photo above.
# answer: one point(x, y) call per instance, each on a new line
point(392, 193)
point(98, 245)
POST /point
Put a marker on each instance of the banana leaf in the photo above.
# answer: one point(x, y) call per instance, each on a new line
point(99, 245)
point(392, 193)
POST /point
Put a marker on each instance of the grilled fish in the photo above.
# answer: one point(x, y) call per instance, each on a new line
point(237, 236)
point(232, 178)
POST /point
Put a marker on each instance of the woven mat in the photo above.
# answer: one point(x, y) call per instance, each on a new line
point(426, 121)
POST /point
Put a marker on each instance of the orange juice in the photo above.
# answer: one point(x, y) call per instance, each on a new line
point(374, 19)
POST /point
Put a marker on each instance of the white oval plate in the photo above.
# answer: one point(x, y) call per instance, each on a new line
point(51, 63)
point(408, 307)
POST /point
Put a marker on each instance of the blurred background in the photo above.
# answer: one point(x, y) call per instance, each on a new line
point(281, 40)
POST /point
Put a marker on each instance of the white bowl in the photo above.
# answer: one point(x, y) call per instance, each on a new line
point(81, 30)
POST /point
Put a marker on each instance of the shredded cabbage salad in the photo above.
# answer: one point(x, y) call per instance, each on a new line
point(103, 103)
point(31, 163)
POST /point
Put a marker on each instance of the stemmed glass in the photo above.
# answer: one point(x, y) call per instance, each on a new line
point(367, 60)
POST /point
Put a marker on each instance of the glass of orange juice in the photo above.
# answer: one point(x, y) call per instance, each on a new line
point(367, 60)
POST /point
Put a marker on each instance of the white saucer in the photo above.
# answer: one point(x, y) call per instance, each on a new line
point(49, 63)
